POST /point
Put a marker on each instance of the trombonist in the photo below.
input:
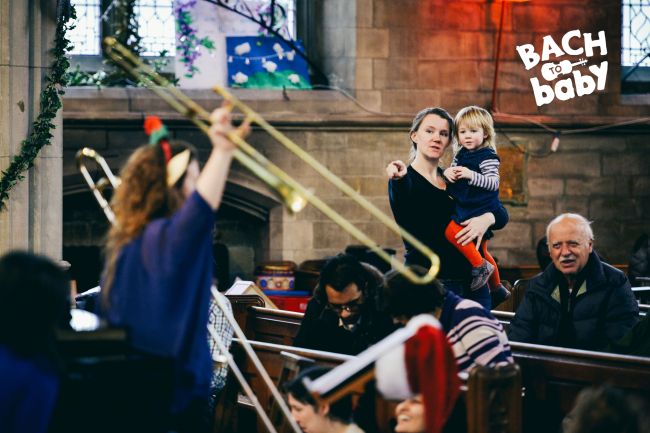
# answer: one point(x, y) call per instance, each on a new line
point(158, 272)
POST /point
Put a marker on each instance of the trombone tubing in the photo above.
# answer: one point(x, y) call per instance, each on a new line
point(88, 153)
point(266, 170)
point(342, 186)
point(256, 362)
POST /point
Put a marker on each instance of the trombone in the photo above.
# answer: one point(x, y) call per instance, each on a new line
point(293, 194)
point(98, 187)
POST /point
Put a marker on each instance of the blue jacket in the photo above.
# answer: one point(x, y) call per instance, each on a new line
point(161, 295)
point(602, 311)
point(28, 392)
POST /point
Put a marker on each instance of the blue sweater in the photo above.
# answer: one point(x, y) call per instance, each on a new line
point(161, 295)
point(28, 393)
point(472, 200)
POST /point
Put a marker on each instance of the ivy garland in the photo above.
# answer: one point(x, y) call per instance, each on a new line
point(187, 42)
point(50, 105)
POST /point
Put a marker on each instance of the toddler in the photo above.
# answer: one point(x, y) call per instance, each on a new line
point(474, 184)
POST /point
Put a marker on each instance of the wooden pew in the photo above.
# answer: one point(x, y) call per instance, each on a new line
point(107, 387)
point(269, 326)
point(495, 394)
point(552, 376)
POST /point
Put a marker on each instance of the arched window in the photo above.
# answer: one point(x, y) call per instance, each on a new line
point(635, 46)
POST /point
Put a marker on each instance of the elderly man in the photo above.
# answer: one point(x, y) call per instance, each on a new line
point(343, 315)
point(579, 301)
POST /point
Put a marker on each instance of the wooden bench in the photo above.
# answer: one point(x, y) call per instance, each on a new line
point(552, 376)
point(105, 385)
point(493, 394)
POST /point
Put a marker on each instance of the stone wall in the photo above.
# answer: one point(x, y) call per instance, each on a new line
point(604, 176)
point(416, 53)
point(397, 57)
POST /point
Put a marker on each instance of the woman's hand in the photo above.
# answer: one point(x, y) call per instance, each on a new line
point(221, 126)
point(396, 169)
point(475, 228)
point(212, 180)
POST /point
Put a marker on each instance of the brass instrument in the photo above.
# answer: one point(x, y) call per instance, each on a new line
point(293, 194)
point(258, 366)
point(98, 187)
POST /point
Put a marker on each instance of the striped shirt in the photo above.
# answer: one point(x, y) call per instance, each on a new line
point(488, 178)
point(476, 336)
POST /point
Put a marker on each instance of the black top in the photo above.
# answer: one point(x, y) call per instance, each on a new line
point(425, 211)
point(589, 318)
point(320, 328)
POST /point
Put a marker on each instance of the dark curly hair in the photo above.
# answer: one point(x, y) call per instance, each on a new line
point(339, 272)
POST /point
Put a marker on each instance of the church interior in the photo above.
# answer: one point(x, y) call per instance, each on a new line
point(328, 86)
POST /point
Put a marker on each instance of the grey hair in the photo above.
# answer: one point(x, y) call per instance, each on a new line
point(583, 223)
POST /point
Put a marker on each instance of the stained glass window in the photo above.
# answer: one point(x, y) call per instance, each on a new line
point(636, 33)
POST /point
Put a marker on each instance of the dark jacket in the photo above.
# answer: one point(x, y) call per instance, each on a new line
point(636, 342)
point(640, 259)
point(601, 310)
point(320, 328)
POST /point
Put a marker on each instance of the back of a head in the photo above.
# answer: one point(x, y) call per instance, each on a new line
point(542, 253)
point(404, 298)
point(606, 410)
point(34, 302)
point(339, 272)
point(340, 410)
point(143, 194)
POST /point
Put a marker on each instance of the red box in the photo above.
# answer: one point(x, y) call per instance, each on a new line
point(291, 303)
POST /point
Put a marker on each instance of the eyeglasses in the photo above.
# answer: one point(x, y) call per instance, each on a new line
point(351, 307)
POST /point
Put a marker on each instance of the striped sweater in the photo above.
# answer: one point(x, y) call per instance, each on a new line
point(474, 334)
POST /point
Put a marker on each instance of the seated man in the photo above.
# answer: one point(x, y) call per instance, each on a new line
point(343, 315)
point(579, 301)
point(475, 336)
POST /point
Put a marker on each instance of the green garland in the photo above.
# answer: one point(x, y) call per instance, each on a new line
point(50, 105)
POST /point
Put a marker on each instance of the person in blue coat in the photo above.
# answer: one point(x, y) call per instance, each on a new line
point(579, 301)
point(34, 303)
point(158, 272)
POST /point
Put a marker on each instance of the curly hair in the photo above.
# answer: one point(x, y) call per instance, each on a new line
point(142, 197)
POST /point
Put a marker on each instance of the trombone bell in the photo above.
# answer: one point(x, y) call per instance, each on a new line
point(98, 187)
